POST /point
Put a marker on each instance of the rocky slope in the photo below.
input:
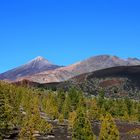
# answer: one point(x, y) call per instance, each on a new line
point(86, 66)
point(118, 81)
point(37, 65)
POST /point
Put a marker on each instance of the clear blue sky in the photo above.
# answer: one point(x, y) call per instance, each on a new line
point(66, 31)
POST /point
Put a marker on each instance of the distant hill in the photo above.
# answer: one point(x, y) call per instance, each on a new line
point(89, 65)
point(121, 81)
point(41, 70)
point(117, 82)
point(37, 65)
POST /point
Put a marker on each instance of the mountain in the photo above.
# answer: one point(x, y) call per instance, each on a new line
point(116, 82)
point(89, 65)
point(37, 65)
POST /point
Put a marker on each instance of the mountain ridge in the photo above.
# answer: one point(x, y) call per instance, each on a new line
point(85, 66)
point(116, 82)
point(34, 66)
point(42, 71)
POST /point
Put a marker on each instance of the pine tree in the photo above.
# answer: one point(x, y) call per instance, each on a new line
point(61, 119)
point(128, 103)
point(109, 129)
point(3, 121)
point(60, 100)
point(71, 119)
point(5, 111)
point(66, 107)
point(75, 96)
point(138, 114)
point(82, 129)
point(50, 106)
point(93, 111)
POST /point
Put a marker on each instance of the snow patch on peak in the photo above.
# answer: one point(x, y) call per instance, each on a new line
point(39, 58)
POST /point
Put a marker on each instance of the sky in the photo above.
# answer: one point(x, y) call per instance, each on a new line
point(67, 31)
